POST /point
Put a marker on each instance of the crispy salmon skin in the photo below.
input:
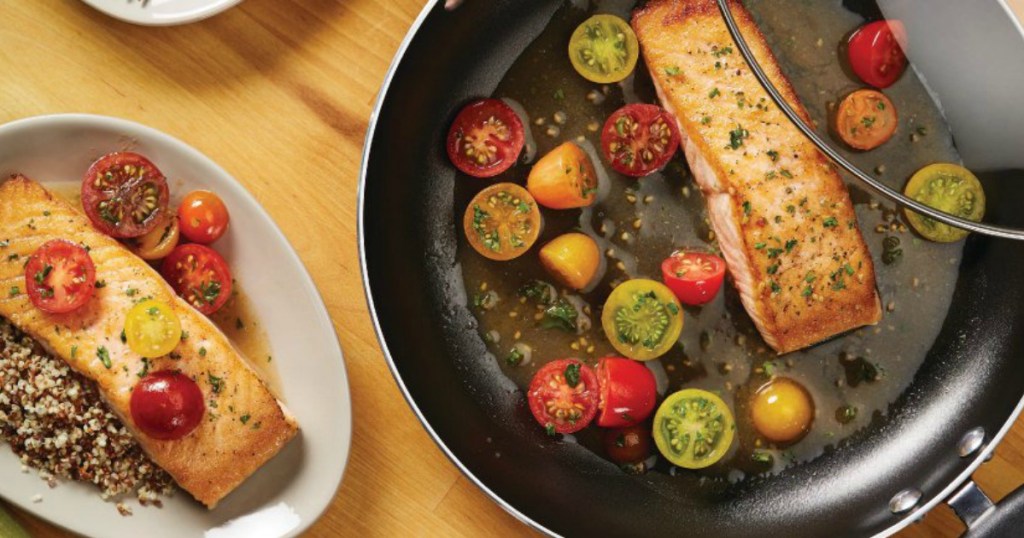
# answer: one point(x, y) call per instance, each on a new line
point(782, 214)
point(245, 425)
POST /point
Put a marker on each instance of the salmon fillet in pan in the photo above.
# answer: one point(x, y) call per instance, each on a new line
point(782, 214)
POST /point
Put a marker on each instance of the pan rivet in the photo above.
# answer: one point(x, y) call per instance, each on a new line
point(971, 442)
point(904, 500)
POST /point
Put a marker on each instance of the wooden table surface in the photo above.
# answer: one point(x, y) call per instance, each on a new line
point(279, 93)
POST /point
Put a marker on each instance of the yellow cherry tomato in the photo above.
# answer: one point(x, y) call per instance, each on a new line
point(693, 428)
point(782, 410)
point(950, 188)
point(642, 319)
point(604, 49)
point(159, 242)
point(563, 179)
point(152, 329)
point(572, 258)
point(502, 222)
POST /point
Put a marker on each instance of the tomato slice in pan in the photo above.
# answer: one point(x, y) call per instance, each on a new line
point(199, 275)
point(642, 319)
point(502, 222)
point(950, 188)
point(639, 139)
point(694, 277)
point(693, 428)
point(866, 119)
point(60, 277)
point(563, 396)
point(167, 405)
point(628, 392)
point(486, 138)
point(876, 52)
point(124, 195)
point(604, 49)
point(564, 178)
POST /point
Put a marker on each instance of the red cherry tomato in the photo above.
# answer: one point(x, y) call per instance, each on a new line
point(876, 52)
point(167, 405)
point(199, 275)
point(628, 392)
point(486, 138)
point(203, 217)
point(60, 277)
point(563, 396)
point(639, 139)
point(124, 195)
point(694, 277)
point(628, 445)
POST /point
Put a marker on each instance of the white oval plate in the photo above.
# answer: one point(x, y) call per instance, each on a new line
point(293, 489)
point(161, 12)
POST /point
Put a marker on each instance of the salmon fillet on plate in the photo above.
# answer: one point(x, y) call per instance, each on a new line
point(243, 426)
point(782, 214)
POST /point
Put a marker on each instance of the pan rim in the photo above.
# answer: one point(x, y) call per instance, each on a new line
point(912, 517)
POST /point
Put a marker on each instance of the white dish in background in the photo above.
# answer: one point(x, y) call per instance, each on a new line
point(161, 12)
point(292, 490)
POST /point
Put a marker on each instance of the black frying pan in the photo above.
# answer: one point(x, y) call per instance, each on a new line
point(971, 378)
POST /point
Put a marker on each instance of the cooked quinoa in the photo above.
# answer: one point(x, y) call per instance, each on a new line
point(55, 420)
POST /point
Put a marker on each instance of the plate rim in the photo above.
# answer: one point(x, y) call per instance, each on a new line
point(321, 314)
point(122, 14)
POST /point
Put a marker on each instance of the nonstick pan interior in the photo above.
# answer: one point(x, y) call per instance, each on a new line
point(408, 229)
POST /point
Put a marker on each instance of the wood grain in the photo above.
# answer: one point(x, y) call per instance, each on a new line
point(279, 93)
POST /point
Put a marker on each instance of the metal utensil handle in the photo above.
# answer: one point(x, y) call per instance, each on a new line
point(831, 153)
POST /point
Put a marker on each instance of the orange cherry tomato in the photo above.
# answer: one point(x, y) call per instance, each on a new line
point(572, 258)
point(203, 217)
point(502, 222)
point(866, 119)
point(564, 178)
point(782, 410)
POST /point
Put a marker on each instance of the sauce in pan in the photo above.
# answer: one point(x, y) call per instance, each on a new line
point(637, 223)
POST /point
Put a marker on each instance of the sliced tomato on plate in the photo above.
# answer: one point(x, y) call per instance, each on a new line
point(486, 138)
point(563, 396)
point(876, 52)
point(199, 275)
point(125, 195)
point(628, 392)
point(60, 277)
point(694, 277)
point(639, 139)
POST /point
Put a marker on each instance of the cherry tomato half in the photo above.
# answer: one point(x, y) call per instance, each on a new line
point(950, 188)
point(604, 49)
point(694, 277)
point(693, 428)
point(60, 277)
point(564, 178)
point(167, 405)
point(563, 396)
point(199, 275)
point(486, 138)
point(152, 329)
point(572, 258)
point(203, 217)
point(639, 139)
point(866, 119)
point(642, 319)
point(876, 52)
point(628, 392)
point(502, 222)
point(158, 243)
point(124, 195)
point(628, 445)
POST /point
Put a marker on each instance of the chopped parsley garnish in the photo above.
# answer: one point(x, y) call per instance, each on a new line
point(209, 291)
point(514, 357)
point(244, 418)
point(559, 94)
point(769, 368)
point(849, 269)
point(550, 429)
point(830, 222)
point(776, 288)
point(41, 275)
point(773, 155)
point(791, 244)
point(786, 173)
point(74, 351)
point(15, 291)
point(539, 291)
point(706, 120)
point(722, 52)
point(560, 315)
point(810, 277)
point(746, 208)
point(104, 356)
point(714, 93)
point(807, 291)
point(774, 252)
point(131, 292)
point(100, 284)
point(737, 136)
point(772, 269)
point(759, 246)
point(216, 383)
point(572, 375)
point(202, 352)
point(145, 367)
point(868, 121)
point(672, 71)
point(760, 456)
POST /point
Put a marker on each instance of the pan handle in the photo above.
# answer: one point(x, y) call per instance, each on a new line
point(985, 519)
